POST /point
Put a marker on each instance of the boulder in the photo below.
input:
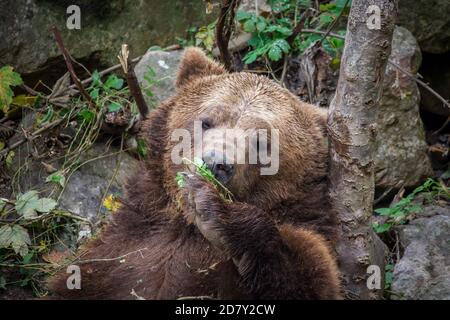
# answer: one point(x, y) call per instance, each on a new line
point(165, 65)
point(423, 272)
point(103, 172)
point(429, 21)
point(401, 156)
point(27, 43)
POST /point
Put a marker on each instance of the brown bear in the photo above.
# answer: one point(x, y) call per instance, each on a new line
point(273, 241)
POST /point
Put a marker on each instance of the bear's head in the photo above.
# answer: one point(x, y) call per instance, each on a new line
point(259, 140)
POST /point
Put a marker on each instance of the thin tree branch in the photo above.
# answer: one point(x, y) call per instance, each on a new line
point(335, 21)
point(223, 30)
point(132, 81)
point(31, 137)
point(299, 26)
point(69, 65)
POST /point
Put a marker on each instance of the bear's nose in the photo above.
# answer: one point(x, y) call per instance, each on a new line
point(217, 163)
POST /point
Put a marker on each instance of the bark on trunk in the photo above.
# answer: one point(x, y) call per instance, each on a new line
point(352, 128)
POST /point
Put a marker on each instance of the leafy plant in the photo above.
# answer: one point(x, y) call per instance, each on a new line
point(271, 34)
point(400, 211)
point(8, 79)
point(202, 170)
point(388, 276)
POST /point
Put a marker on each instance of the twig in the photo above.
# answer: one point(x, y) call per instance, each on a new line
point(132, 81)
point(111, 259)
point(223, 30)
point(283, 73)
point(106, 71)
point(299, 27)
point(31, 137)
point(69, 65)
point(334, 22)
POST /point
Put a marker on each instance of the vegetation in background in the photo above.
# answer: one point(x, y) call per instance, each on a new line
point(8, 79)
point(270, 35)
point(400, 212)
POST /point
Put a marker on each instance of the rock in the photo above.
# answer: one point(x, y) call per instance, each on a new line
point(27, 43)
point(103, 171)
point(429, 21)
point(165, 65)
point(88, 185)
point(401, 154)
point(423, 272)
point(252, 5)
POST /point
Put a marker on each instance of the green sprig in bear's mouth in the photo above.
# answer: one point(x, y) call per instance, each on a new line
point(202, 170)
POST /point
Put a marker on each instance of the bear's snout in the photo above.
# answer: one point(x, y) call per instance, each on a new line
point(221, 167)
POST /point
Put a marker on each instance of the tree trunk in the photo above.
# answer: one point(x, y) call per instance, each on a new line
point(352, 128)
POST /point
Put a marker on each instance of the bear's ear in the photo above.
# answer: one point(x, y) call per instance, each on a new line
point(195, 64)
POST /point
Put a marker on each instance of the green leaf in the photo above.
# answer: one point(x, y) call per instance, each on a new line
point(8, 79)
point(16, 237)
point(57, 178)
point(380, 228)
point(251, 57)
point(383, 211)
point(26, 204)
point(179, 178)
point(45, 205)
point(114, 107)
point(96, 81)
point(9, 159)
point(249, 26)
point(113, 82)
point(94, 93)
point(275, 53)
point(142, 148)
point(261, 25)
point(86, 115)
point(243, 15)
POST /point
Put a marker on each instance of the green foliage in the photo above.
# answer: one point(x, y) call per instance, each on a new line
point(270, 34)
point(142, 148)
point(29, 204)
point(205, 37)
point(202, 170)
point(8, 79)
point(57, 178)
point(388, 276)
point(400, 211)
point(103, 93)
point(30, 231)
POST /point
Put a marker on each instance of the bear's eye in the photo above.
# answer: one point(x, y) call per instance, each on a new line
point(206, 124)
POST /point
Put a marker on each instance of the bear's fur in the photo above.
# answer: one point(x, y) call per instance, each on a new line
point(275, 241)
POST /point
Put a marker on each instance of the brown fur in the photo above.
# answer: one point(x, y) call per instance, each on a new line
point(274, 241)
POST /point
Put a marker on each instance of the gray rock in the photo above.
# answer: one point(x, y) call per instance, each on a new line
point(424, 270)
point(401, 147)
point(27, 43)
point(429, 21)
point(86, 188)
point(104, 172)
point(165, 65)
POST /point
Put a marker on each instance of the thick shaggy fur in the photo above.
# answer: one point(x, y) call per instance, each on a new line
point(274, 242)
